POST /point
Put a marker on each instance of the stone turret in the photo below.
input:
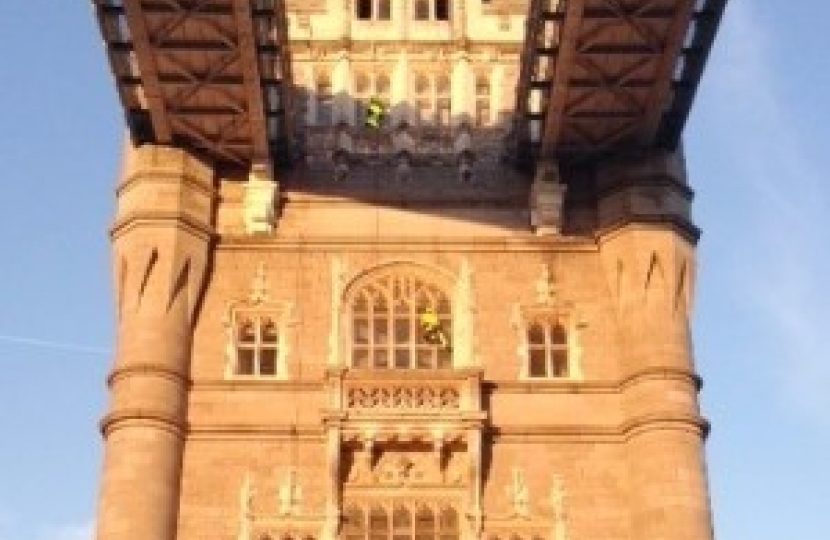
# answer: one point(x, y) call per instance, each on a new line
point(647, 249)
point(161, 247)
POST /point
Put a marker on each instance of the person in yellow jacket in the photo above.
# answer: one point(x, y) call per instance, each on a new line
point(432, 331)
point(375, 113)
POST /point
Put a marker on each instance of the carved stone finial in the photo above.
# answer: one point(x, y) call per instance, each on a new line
point(547, 286)
point(258, 203)
point(259, 286)
point(246, 497)
point(557, 502)
point(290, 494)
point(519, 494)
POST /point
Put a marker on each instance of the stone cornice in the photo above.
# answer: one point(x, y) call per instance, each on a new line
point(674, 223)
point(151, 218)
point(131, 417)
point(501, 244)
point(121, 372)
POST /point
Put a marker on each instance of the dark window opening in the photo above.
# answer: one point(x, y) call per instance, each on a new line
point(442, 10)
point(384, 10)
point(364, 9)
point(421, 10)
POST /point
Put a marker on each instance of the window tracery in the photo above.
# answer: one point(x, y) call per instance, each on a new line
point(386, 325)
point(256, 333)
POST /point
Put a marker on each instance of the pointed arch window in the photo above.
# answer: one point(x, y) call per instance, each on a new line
point(387, 331)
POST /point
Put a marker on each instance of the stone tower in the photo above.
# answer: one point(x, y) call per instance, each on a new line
point(275, 377)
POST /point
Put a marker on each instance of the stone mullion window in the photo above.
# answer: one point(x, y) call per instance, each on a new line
point(257, 344)
point(386, 331)
point(547, 350)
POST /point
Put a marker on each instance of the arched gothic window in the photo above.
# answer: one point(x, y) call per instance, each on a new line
point(547, 344)
point(386, 317)
point(256, 343)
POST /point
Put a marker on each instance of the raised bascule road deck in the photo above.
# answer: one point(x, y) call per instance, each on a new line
point(597, 76)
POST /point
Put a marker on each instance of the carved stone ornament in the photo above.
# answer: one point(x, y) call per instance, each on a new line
point(290, 494)
point(258, 202)
point(518, 493)
point(405, 468)
point(429, 397)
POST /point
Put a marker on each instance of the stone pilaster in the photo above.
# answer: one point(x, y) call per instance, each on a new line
point(648, 257)
point(161, 246)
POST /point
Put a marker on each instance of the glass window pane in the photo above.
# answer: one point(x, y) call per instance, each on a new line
point(537, 367)
point(380, 306)
point(381, 358)
point(536, 334)
point(245, 359)
point(421, 10)
point(558, 335)
point(402, 358)
point(402, 330)
point(360, 304)
point(246, 332)
point(268, 332)
point(360, 358)
point(378, 524)
point(381, 331)
point(442, 10)
point(444, 358)
point(364, 9)
point(384, 13)
point(560, 363)
point(268, 361)
point(425, 358)
point(361, 331)
point(424, 524)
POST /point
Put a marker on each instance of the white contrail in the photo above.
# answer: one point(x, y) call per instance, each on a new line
point(53, 344)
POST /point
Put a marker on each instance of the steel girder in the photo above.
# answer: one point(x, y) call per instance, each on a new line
point(210, 75)
point(604, 76)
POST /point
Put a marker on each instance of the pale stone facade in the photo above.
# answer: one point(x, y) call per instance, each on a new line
point(273, 379)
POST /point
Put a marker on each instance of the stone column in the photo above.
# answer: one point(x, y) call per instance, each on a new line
point(649, 263)
point(161, 246)
point(461, 86)
point(342, 87)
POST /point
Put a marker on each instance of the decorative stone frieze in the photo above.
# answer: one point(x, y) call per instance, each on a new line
point(402, 397)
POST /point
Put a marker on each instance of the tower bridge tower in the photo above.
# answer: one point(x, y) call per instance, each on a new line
point(469, 323)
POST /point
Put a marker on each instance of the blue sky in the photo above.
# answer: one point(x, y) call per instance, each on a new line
point(757, 152)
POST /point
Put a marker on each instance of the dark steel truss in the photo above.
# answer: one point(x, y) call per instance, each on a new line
point(213, 75)
point(608, 75)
